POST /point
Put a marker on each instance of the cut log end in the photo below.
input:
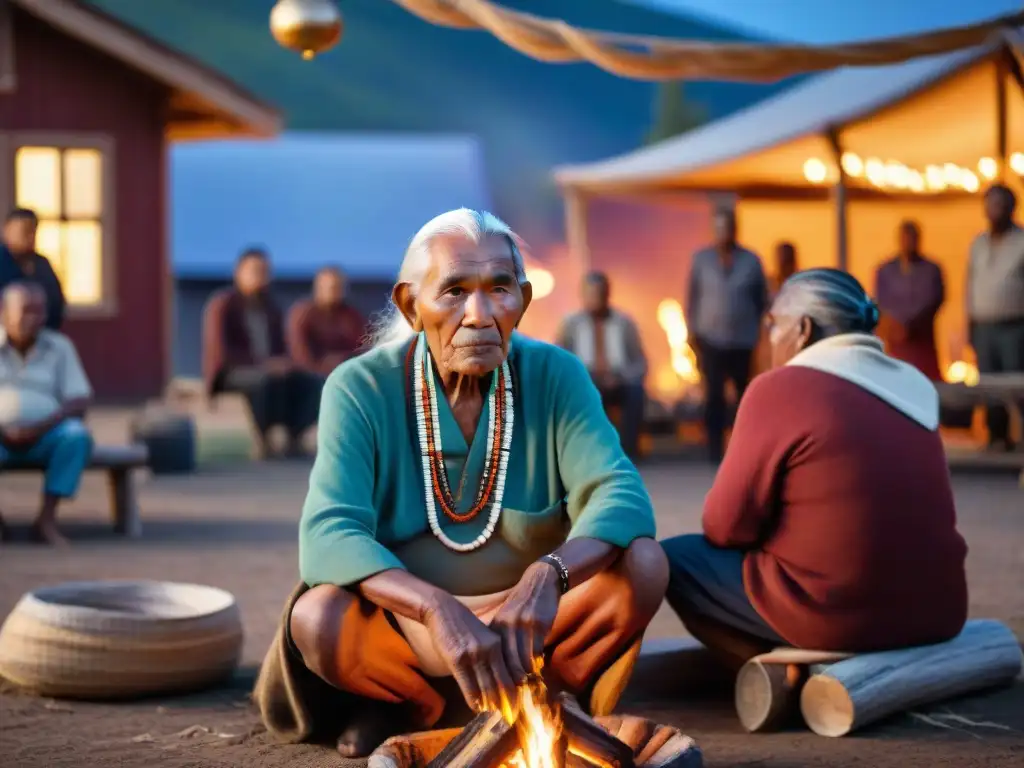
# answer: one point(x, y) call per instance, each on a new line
point(766, 695)
point(827, 707)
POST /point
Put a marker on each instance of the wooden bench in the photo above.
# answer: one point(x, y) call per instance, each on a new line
point(119, 462)
point(1006, 389)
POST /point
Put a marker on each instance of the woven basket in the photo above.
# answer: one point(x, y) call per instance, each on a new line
point(120, 639)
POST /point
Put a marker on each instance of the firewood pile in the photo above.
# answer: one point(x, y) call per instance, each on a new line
point(575, 739)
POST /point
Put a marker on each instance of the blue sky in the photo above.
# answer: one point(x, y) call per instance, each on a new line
point(830, 21)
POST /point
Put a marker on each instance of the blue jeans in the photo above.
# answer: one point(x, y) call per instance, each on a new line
point(707, 581)
point(64, 451)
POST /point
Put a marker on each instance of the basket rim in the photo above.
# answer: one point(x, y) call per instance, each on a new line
point(48, 604)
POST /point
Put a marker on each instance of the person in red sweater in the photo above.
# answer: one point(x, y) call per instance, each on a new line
point(831, 523)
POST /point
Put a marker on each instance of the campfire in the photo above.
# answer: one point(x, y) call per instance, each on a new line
point(545, 732)
point(679, 376)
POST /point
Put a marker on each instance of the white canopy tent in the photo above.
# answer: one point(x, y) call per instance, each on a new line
point(834, 163)
point(915, 121)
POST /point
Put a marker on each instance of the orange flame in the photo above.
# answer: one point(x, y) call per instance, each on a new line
point(539, 727)
point(684, 361)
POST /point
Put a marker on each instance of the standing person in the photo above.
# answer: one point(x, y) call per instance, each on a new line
point(244, 351)
point(607, 342)
point(995, 301)
point(325, 331)
point(19, 262)
point(910, 291)
point(726, 297)
point(785, 265)
point(44, 393)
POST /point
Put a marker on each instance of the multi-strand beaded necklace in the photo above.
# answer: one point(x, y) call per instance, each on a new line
point(500, 417)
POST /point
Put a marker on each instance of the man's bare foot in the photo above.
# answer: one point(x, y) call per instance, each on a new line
point(374, 724)
point(46, 532)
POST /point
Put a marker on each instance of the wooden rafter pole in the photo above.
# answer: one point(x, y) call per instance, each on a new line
point(576, 216)
point(839, 192)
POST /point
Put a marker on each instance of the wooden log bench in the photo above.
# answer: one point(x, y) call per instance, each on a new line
point(119, 462)
point(837, 693)
point(1006, 389)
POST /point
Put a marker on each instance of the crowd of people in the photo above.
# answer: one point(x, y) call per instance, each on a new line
point(728, 295)
point(473, 517)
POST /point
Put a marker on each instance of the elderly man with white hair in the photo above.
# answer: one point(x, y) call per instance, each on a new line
point(470, 515)
point(44, 393)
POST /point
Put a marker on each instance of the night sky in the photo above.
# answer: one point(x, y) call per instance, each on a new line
point(829, 21)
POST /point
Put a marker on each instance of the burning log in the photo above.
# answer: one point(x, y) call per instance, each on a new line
point(589, 740)
point(548, 733)
point(487, 742)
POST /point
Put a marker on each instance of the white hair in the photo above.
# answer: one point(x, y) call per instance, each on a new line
point(391, 327)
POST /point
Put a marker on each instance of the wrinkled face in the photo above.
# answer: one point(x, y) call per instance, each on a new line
point(595, 296)
point(910, 239)
point(252, 276)
point(23, 314)
point(328, 288)
point(787, 335)
point(724, 226)
point(998, 207)
point(468, 304)
point(20, 235)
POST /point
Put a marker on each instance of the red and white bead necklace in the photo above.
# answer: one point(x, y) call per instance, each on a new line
point(500, 417)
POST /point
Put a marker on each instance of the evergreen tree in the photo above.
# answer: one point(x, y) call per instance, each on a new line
point(673, 113)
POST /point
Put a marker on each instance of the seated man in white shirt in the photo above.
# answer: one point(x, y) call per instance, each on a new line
point(608, 343)
point(44, 394)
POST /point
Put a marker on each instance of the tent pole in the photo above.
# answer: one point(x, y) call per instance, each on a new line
point(1002, 116)
point(576, 228)
point(840, 197)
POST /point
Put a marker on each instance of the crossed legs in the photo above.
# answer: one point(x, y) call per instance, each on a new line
point(354, 646)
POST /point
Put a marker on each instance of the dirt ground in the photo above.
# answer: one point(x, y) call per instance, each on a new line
point(235, 528)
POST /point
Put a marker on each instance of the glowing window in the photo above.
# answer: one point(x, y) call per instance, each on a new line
point(64, 186)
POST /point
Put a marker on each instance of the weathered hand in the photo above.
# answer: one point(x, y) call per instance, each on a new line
point(472, 652)
point(525, 619)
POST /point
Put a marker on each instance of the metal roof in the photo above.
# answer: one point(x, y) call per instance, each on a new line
point(313, 199)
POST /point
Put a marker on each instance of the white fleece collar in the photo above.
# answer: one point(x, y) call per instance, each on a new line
point(860, 359)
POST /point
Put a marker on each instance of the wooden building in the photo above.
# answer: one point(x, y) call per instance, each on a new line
point(88, 109)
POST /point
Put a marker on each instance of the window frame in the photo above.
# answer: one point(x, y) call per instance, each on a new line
point(10, 143)
point(8, 73)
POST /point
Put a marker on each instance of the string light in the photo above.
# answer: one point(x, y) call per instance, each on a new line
point(892, 174)
point(988, 168)
point(815, 171)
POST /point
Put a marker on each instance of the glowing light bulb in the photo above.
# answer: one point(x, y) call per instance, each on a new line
point(916, 181)
point(951, 173)
point(969, 181)
point(874, 170)
point(934, 178)
point(815, 171)
point(988, 168)
point(1017, 163)
point(897, 175)
point(852, 164)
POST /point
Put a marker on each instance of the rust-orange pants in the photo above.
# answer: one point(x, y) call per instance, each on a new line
point(592, 646)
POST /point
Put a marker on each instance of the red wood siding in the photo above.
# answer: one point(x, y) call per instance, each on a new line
point(66, 87)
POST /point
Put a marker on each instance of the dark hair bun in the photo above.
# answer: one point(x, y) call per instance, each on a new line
point(871, 316)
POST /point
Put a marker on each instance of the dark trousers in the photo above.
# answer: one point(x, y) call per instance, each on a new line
point(628, 399)
point(287, 399)
point(719, 366)
point(706, 582)
point(1000, 349)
